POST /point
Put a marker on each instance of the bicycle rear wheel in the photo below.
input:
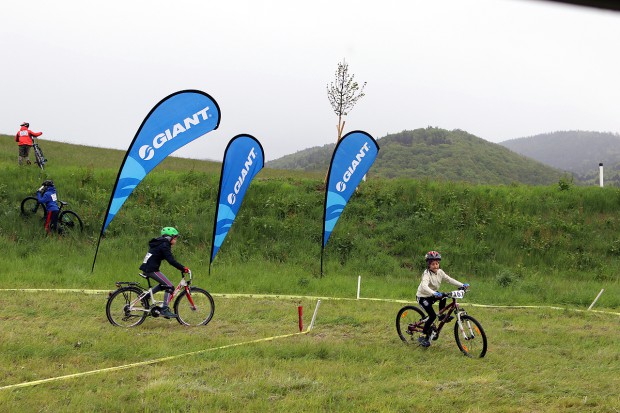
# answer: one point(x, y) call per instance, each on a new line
point(121, 312)
point(30, 206)
point(195, 309)
point(409, 322)
point(471, 338)
point(70, 222)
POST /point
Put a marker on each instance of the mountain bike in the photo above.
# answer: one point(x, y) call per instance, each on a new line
point(130, 304)
point(39, 158)
point(68, 221)
point(468, 333)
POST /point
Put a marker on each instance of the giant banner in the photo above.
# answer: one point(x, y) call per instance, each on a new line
point(174, 122)
point(243, 159)
point(351, 160)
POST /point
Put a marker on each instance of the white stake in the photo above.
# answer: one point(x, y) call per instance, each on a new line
point(599, 294)
point(316, 310)
point(359, 283)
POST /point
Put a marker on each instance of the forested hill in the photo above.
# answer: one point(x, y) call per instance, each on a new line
point(576, 151)
point(436, 154)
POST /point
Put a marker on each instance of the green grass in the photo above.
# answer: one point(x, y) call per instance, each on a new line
point(538, 360)
point(515, 244)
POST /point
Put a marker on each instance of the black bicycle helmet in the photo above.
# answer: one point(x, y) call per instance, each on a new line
point(26, 124)
point(432, 256)
point(48, 182)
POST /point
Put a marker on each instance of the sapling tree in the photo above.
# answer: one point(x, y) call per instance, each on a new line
point(343, 93)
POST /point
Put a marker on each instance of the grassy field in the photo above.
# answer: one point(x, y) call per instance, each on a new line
point(539, 360)
point(549, 246)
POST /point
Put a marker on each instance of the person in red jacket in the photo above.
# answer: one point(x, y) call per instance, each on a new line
point(24, 142)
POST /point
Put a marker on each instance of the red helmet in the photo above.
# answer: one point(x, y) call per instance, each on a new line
point(432, 256)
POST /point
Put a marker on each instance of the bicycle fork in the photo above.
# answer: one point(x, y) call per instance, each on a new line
point(464, 327)
point(183, 285)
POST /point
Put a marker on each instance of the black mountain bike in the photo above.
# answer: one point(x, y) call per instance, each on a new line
point(131, 303)
point(39, 158)
point(468, 333)
point(68, 221)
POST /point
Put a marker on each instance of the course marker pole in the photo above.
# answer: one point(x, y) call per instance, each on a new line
point(300, 311)
point(359, 283)
point(316, 310)
point(596, 299)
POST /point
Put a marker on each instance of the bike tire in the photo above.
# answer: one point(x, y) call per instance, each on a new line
point(117, 310)
point(472, 340)
point(30, 207)
point(39, 159)
point(409, 321)
point(198, 315)
point(70, 222)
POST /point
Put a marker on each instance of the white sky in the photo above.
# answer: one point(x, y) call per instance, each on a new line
point(88, 72)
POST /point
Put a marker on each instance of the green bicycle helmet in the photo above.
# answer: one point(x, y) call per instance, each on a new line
point(170, 231)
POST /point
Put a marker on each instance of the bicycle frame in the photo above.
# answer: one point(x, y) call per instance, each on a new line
point(447, 311)
point(183, 285)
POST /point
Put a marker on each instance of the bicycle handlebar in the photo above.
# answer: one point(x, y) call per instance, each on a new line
point(190, 276)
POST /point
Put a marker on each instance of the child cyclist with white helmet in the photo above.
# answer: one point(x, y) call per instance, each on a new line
point(428, 292)
point(161, 249)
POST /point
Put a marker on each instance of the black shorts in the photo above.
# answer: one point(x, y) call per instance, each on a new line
point(24, 150)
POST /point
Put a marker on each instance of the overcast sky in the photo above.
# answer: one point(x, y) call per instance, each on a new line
point(88, 72)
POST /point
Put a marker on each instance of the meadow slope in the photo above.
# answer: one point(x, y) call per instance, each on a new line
point(550, 248)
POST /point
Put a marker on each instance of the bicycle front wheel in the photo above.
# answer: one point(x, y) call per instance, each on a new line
point(39, 159)
point(470, 337)
point(70, 222)
point(31, 207)
point(124, 309)
point(409, 322)
point(195, 308)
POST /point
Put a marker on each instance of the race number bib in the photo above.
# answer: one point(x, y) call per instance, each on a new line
point(54, 197)
point(146, 257)
point(458, 294)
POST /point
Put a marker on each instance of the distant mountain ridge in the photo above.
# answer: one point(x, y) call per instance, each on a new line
point(435, 153)
point(577, 151)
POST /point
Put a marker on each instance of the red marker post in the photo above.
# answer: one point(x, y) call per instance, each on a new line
point(301, 323)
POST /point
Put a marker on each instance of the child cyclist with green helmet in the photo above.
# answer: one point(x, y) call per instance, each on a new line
point(161, 249)
point(428, 292)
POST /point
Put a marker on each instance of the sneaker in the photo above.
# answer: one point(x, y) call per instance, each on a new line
point(441, 318)
point(166, 313)
point(423, 341)
point(28, 162)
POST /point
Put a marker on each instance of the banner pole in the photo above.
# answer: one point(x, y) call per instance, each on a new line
point(359, 282)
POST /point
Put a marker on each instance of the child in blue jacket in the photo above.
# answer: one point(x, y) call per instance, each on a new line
point(46, 195)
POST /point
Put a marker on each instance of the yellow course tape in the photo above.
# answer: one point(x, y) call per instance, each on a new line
point(299, 297)
point(144, 363)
